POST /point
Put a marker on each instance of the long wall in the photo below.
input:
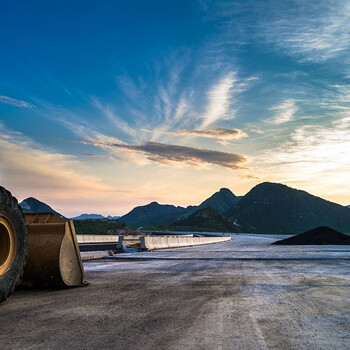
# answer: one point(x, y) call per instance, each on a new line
point(164, 242)
point(153, 242)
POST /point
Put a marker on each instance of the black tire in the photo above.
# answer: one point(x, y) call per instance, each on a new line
point(13, 243)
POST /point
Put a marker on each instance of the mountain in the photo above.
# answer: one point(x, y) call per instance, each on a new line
point(89, 217)
point(95, 217)
point(163, 214)
point(32, 205)
point(204, 220)
point(220, 201)
point(110, 217)
point(276, 208)
point(153, 213)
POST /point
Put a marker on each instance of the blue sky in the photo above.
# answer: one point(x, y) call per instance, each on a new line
point(105, 105)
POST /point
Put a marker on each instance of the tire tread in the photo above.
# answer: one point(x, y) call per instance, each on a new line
point(8, 284)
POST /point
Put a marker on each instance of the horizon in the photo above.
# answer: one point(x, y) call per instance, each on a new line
point(185, 206)
point(107, 105)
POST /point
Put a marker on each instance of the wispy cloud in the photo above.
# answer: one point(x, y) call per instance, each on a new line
point(130, 89)
point(166, 154)
point(311, 31)
point(306, 30)
point(55, 175)
point(88, 132)
point(284, 112)
point(219, 100)
point(95, 155)
point(79, 124)
point(218, 133)
point(14, 102)
point(116, 120)
point(182, 109)
point(158, 105)
point(317, 157)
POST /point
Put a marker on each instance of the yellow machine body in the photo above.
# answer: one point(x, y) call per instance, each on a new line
point(53, 252)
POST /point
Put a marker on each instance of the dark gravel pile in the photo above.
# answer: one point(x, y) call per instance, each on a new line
point(317, 236)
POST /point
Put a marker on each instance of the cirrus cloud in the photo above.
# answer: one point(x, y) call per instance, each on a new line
point(13, 102)
point(219, 98)
point(285, 112)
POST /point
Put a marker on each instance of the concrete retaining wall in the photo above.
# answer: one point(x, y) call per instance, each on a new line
point(105, 238)
point(159, 242)
point(152, 242)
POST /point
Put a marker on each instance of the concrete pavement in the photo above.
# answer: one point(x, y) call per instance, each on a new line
point(240, 294)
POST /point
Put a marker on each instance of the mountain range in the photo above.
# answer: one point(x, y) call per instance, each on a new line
point(266, 208)
point(163, 214)
point(95, 217)
point(33, 205)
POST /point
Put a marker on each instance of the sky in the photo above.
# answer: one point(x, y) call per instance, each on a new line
point(106, 105)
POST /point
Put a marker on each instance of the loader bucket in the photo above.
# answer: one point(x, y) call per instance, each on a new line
point(53, 253)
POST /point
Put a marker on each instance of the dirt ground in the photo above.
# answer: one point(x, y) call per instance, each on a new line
point(235, 295)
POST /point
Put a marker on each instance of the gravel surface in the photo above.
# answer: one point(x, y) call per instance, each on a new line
point(242, 294)
point(319, 235)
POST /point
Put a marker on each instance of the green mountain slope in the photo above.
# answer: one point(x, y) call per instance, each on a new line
point(32, 205)
point(204, 220)
point(275, 208)
point(152, 214)
point(220, 201)
point(163, 214)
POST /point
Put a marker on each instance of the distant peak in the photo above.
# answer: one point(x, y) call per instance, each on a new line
point(271, 185)
point(31, 199)
point(224, 189)
point(220, 201)
point(35, 206)
point(268, 183)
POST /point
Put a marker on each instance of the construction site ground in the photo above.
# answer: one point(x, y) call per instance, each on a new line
point(241, 294)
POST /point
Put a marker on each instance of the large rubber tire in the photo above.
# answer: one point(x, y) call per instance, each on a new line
point(13, 243)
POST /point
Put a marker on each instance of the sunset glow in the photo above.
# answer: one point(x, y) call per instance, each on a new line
point(107, 105)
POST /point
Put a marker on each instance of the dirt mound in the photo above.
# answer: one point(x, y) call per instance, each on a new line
point(317, 236)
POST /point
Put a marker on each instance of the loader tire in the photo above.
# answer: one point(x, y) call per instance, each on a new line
point(13, 243)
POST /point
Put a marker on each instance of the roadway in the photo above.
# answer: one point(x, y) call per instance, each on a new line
point(241, 294)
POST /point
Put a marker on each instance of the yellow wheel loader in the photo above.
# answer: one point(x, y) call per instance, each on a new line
point(36, 249)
